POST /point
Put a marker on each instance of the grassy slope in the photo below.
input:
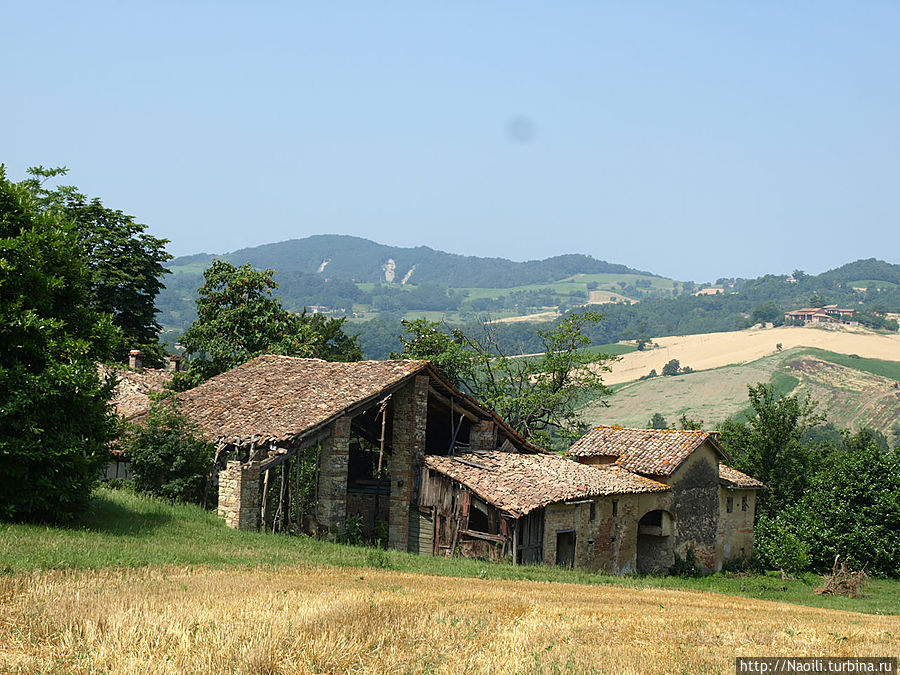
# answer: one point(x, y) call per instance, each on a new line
point(713, 395)
point(123, 529)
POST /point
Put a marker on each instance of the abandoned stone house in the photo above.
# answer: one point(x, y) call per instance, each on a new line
point(392, 444)
point(708, 506)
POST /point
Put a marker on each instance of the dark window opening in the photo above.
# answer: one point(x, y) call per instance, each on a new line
point(729, 504)
point(615, 507)
point(565, 548)
point(593, 510)
point(441, 427)
point(478, 521)
point(744, 504)
point(652, 519)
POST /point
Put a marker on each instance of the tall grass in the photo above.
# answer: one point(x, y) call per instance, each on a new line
point(127, 530)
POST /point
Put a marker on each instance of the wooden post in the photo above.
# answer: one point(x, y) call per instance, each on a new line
point(265, 496)
point(515, 542)
point(287, 505)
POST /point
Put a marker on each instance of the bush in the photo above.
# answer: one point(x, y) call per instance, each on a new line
point(777, 546)
point(852, 509)
point(168, 457)
point(686, 566)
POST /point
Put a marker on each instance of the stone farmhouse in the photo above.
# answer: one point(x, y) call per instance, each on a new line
point(707, 506)
point(392, 442)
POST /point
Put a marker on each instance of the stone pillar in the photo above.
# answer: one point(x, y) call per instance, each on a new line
point(408, 443)
point(481, 436)
point(239, 495)
point(331, 509)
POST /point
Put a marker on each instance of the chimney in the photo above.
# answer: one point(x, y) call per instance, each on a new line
point(134, 359)
point(174, 363)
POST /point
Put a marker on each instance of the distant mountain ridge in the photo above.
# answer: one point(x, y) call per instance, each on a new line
point(365, 261)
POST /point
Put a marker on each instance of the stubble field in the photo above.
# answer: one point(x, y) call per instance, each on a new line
point(320, 619)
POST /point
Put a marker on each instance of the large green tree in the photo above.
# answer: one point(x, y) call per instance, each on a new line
point(537, 395)
point(769, 445)
point(852, 508)
point(55, 422)
point(126, 263)
point(238, 318)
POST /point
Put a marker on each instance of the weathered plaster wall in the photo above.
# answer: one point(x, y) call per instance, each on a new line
point(408, 451)
point(609, 542)
point(735, 531)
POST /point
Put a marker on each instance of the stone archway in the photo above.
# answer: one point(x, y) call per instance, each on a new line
point(655, 542)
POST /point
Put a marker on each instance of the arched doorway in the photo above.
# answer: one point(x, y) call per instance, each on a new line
point(655, 539)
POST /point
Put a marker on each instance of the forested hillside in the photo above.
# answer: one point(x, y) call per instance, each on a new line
point(377, 285)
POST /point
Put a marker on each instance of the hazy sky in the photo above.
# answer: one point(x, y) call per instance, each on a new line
point(695, 140)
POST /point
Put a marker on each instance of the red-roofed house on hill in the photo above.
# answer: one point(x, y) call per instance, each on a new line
point(709, 507)
point(826, 314)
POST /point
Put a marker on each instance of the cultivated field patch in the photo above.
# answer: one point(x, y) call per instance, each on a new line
point(336, 620)
point(714, 350)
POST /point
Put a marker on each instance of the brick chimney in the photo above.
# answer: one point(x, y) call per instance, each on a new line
point(134, 360)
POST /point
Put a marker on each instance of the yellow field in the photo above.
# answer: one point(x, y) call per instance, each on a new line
point(338, 620)
point(713, 350)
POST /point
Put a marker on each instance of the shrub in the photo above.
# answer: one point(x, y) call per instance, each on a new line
point(686, 566)
point(777, 546)
point(168, 457)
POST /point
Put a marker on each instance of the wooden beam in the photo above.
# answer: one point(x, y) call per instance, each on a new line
point(275, 460)
point(447, 403)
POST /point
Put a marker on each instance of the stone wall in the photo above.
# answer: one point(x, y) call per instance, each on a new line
point(695, 505)
point(482, 436)
point(410, 406)
point(331, 508)
point(239, 495)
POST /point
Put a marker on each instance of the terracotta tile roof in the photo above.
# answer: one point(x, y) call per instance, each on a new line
point(733, 478)
point(649, 451)
point(132, 393)
point(279, 398)
point(519, 483)
point(276, 398)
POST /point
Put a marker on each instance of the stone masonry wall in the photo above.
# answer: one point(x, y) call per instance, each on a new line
point(482, 436)
point(408, 451)
point(331, 508)
point(239, 495)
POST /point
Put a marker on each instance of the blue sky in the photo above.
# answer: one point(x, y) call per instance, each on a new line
point(695, 140)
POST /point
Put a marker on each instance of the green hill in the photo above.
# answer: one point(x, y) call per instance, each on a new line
point(852, 392)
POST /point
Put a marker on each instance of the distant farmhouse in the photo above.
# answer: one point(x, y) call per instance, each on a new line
point(826, 314)
point(396, 448)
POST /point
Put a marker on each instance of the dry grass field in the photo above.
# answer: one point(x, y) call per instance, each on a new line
point(713, 350)
point(317, 619)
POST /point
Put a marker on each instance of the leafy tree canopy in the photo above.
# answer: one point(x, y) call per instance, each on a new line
point(769, 445)
point(239, 319)
point(536, 395)
point(55, 422)
point(853, 508)
point(125, 263)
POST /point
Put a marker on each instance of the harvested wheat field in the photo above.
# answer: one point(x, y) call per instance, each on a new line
point(338, 620)
point(713, 350)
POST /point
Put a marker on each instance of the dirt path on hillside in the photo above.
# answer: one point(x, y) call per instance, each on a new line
point(714, 350)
